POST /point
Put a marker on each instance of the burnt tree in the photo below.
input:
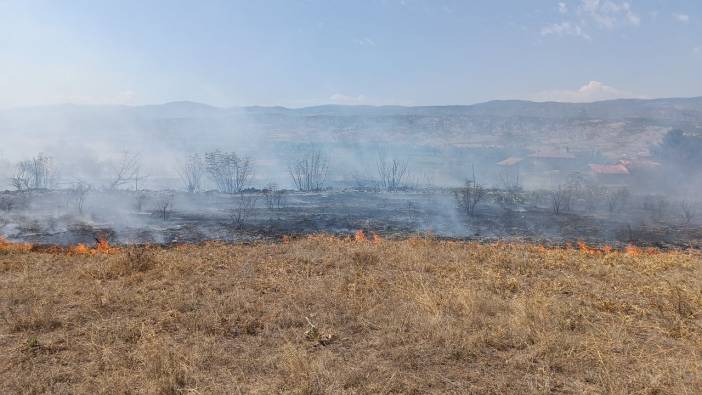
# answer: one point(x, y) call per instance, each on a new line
point(309, 173)
point(125, 170)
point(391, 173)
point(229, 172)
point(191, 172)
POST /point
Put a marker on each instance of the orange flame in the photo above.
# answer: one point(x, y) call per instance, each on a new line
point(360, 236)
point(632, 250)
point(583, 247)
point(8, 246)
point(102, 246)
point(376, 238)
point(79, 249)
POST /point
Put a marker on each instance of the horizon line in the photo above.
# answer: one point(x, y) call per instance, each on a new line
point(174, 102)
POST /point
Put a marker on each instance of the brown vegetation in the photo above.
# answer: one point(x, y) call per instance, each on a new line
point(357, 315)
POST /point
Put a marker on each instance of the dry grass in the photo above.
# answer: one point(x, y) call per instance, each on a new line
point(323, 315)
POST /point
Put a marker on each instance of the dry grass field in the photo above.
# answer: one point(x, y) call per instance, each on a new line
point(330, 315)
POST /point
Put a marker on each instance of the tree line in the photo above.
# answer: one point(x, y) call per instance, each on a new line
point(228, 172)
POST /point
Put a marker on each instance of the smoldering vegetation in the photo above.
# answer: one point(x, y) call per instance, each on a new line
point(391, 171)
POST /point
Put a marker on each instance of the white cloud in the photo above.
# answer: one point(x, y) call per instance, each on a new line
point(682, 18)
point(697, 50)
point(592, 91)
point(608, 14)
point(340, 98)
point(564, 29)
point(592, 14)
point(365, 42)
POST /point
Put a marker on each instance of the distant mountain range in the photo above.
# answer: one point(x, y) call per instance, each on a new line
point(678, 109)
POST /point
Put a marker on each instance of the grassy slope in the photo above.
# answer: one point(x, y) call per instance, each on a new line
point(403, 316)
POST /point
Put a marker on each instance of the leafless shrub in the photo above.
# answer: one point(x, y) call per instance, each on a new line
point(688, 212)
point(125, 170)
point(79, 194)
point(592, 195)
point(191, 173)
point(309, 173)
point(617, 199)
point(228, 171)
point(561, 199)
point(656, 205)
point(35, 173)
point(7, 203)
point(244, 206)
point(21, 179)
point(509, 195)
point(391, 174)
point(164, 205)
point(470, 195)
point(274, 197)
point(139, 201)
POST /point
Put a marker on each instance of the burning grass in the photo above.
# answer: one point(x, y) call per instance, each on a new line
point(355, 315)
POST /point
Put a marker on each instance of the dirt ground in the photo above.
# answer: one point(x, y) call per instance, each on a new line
point(321, 314)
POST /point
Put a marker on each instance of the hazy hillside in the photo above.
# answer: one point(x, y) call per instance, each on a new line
point(611, 128)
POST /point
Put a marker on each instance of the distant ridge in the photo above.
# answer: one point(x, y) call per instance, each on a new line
point(492, 105)
point(617, 128)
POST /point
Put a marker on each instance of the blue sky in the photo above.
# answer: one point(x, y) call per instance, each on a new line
point(307, 52)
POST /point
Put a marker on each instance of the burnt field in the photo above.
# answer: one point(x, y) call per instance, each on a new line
point(65, 217)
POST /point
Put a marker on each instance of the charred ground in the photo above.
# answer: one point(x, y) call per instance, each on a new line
point(163, 217)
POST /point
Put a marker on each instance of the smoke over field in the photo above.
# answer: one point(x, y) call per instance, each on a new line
point(608, 172)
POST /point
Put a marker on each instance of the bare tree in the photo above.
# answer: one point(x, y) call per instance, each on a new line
point(125, 170)
point(139, 178)
point(230, 173)
point(21, 179)
point(656, 205)
point(689, 212)
point(511, 190)
point(191, 172)
point(79, 194)
point(309, 173)
point(470, 195)
point(391, 174)
point(35, 173)
point(617, 199)
point(560, 199)
point(164, 205)
point(274, 197)
point(7, 203)
point(139, 201)
point(244, 206)
point(592, 194)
